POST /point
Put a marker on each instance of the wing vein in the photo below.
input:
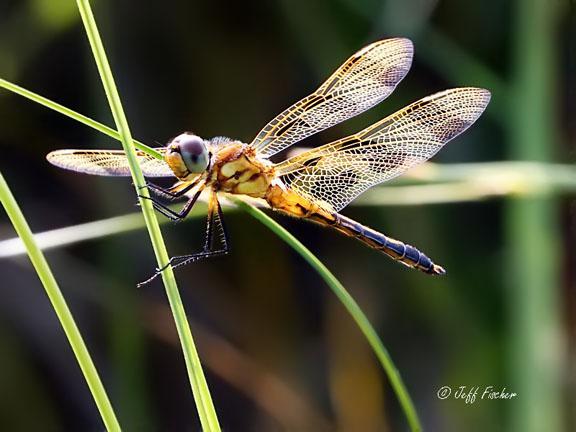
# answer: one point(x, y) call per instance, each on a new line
point(336, 173)
point(364, 80)
point(108, 162)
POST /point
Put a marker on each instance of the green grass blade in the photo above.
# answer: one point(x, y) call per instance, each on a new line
point(350, 305)
point(334, 284)
point(534, 235)
point(204, 404)
point(378, 346)
point(60, 307)
point(73, 114)
point(72, 234)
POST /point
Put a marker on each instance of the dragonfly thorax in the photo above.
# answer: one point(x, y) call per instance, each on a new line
point(237, 170)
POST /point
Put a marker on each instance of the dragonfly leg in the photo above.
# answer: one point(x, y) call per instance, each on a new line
point(171, 214)
point(171, 192)
point(215, 231)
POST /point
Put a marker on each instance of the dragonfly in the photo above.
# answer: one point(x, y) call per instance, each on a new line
point(316, 184)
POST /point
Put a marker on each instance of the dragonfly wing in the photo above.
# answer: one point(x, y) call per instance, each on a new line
point(364, 80)
point(108, 162)
point(336, 173)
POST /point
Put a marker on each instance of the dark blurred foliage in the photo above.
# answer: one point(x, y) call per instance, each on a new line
point(280, 351)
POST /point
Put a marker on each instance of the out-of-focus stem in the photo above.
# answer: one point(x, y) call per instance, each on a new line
point(532, 236)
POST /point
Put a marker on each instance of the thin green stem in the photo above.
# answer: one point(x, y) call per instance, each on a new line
point(73, 115)
point(204, 404)
point(361, 319)
point(334, 284)
point(60, 307)
point(533, 236)
point(350, 305)
point(97, 229)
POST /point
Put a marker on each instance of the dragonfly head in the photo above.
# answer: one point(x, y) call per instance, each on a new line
point(187, 154)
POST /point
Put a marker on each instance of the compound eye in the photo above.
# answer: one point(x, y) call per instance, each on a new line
point(193, 151)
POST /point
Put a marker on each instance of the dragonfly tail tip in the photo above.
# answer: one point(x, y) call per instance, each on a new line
point(438, 270)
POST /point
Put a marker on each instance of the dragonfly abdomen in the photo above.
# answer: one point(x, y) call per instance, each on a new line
point(291, 203)
point(395, 249)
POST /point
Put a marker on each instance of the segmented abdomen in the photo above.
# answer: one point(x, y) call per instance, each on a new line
point(395, 249)
point(291, 203)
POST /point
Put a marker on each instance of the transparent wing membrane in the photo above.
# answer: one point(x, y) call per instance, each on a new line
point(364, 80)
point(336, 173)
point(108, 162)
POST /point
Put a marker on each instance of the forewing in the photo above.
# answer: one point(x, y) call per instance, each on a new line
point(108, 162)
point(364, 80)
point(336, 173)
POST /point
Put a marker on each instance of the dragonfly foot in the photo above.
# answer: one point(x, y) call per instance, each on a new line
point(150, 279)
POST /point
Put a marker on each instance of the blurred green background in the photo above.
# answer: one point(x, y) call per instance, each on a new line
point(280, 351)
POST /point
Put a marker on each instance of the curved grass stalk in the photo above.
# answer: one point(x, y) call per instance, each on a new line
point(350, 305)
point(34, 97)
point(360, 318)
point(204, 404)
point(459, 183)
point(60, 307)
point(73, 234)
